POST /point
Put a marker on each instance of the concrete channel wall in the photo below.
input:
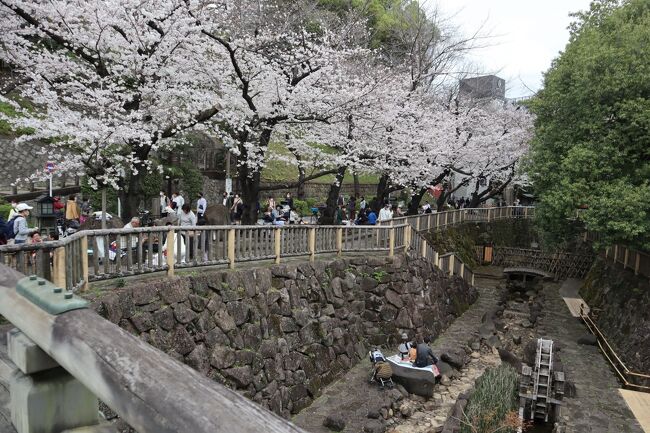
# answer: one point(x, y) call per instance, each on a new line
point(279, 334)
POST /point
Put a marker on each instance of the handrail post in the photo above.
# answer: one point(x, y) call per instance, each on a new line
point(391, 242)
point(488, 214)
point(84, 263)
point(451, 265)
point(278, 244)
point(312, 244)
point(436, 259)
point(407, 236)
point(472, 278)
point(423, 249)
point(171, 252)
point(58, 268)
point(526, 216)
point(615, 253)
point(462, 270)
point(417, 223)
point(339, 241)
point(625, 257)
point(637, 264)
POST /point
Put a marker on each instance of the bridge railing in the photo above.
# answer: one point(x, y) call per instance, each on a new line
point(94, 255)
point(132, 377)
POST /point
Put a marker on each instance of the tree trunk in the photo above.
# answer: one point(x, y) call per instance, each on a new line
point(357, 187)
point(250, 194)
point(301, 187)
point(416, 198)
point(329, 214)
point(382, 193)
point(133, 194)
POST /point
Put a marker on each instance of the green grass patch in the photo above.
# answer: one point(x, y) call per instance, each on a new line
point(284, 171)
point(492, 407)
point(6, 128)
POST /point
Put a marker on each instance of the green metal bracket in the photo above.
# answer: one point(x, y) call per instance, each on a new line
point(48, 297)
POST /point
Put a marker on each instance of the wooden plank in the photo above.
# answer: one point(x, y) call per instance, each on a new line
point(639, 404)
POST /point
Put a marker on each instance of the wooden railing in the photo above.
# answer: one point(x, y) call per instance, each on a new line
point(148, 389)
point(635, 260)
point(630, 379)
point(94, 255)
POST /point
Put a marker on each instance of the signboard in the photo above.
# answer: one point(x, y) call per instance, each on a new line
point(228, 185)
point(49, 167)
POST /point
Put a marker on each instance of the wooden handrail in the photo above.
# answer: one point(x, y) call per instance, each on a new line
point(148, 389)
point(617, 363)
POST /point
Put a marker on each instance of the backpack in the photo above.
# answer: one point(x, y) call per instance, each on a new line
point(8, 229)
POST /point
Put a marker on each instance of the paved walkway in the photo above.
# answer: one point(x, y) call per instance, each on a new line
point(598, 406)
point(353, 397)
point(639, 403)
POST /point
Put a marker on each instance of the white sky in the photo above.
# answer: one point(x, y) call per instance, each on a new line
point(527, 35)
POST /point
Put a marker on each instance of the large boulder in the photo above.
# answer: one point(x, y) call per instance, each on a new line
point(334, 422)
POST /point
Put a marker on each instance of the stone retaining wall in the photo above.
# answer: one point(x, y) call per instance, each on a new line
point(279, 334)
point(620, 299)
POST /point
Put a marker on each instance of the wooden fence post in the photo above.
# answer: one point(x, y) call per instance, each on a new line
point(391, 242)
point(436, 259)
point(58, 268)
point(407, 236)
point(231, 248)
point(625, 257)
point(312, 244)
point(278, 244)
point(451, 264)
point(462, 270)
point(526, 216)
point(339, 241)
point(615, 253)
point(417, 223)
point(171, 247)
point(423, 248)
point(84, 263)
point(488, 215)
point(637, 264)
point(472, 278)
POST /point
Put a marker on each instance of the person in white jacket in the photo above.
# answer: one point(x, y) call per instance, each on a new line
point(385, 213)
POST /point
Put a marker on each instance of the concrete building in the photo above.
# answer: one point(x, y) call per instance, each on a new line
point(484, 87)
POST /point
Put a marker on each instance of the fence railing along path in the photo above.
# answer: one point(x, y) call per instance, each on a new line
point(94, 255)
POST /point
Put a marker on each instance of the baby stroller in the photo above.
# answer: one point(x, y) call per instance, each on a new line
point(382, 372)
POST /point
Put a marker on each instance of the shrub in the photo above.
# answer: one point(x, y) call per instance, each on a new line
point(303, 207)
point(491, 407)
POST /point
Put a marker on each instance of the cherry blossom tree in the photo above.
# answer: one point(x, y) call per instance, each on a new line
point(113, 83)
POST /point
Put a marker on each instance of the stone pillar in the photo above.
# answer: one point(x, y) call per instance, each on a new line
point(45, 397)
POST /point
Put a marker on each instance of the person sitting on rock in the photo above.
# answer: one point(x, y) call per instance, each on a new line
point(405, 347)
point(424, 355)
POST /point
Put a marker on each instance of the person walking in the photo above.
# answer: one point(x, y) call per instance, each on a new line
point(289, 200)
point(21, 231)
point(237, 209)
point(71, 209)
point(352, 208)
point(201, 207)
point(180, 201)
point(385, 213)
point(362, 203)
point(164, 203)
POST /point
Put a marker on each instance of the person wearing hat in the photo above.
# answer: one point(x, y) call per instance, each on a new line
point(405, 347)
point(21, 230)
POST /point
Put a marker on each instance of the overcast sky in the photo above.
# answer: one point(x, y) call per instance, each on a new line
point(528, 35)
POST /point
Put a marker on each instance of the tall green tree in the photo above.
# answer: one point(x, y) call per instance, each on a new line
point(592, 143)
